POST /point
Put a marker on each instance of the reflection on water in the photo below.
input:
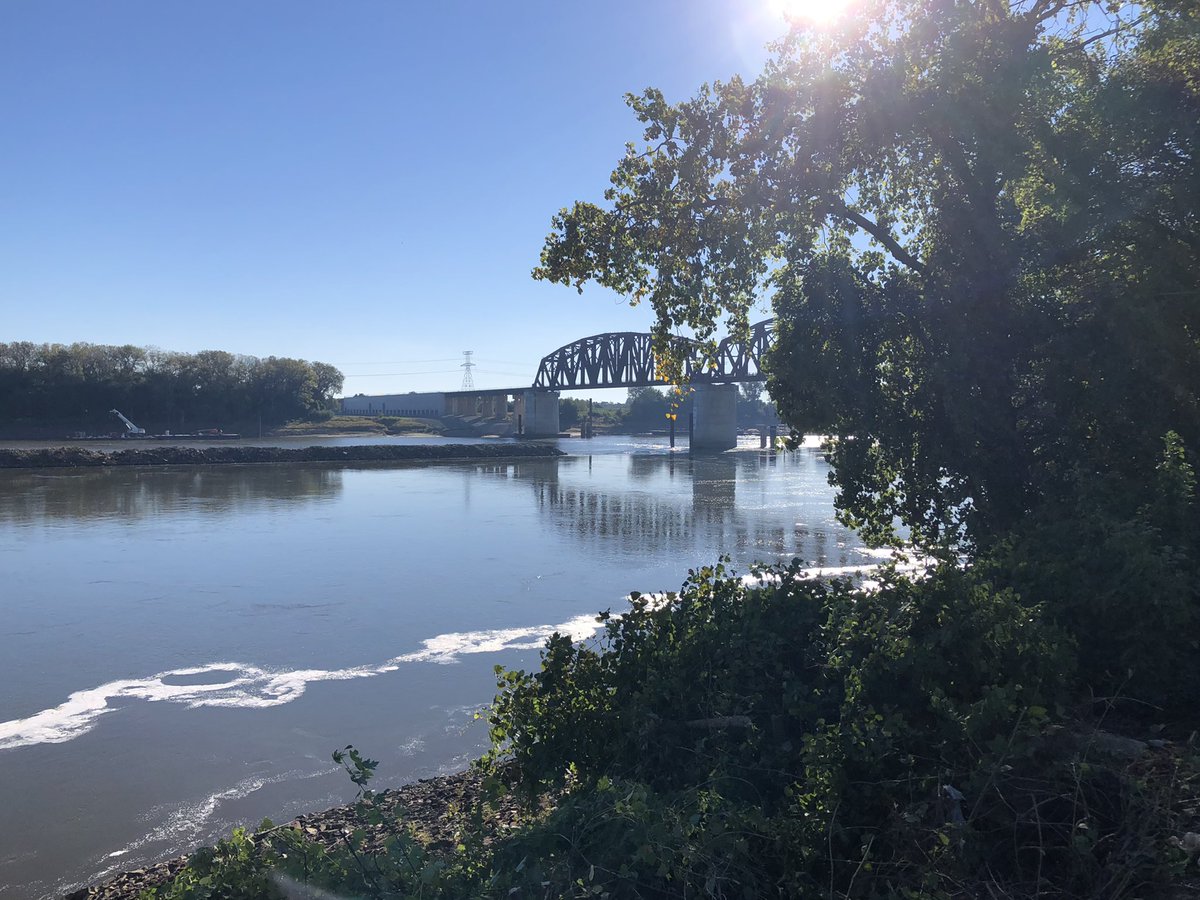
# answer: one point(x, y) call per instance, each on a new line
point(132, 493)
point(702, 509)
point(229, 626)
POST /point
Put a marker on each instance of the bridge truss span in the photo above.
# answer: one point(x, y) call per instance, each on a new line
point(738, 360)
point(616, 359)
point(627, 359)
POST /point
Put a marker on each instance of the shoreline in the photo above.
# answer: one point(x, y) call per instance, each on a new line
point(424, 806)
point(429, 807)
point(73, 457)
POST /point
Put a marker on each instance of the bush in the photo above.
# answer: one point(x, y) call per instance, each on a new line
point(781, 736)
point(857, 728)
point(623, 839)
point(1125, 586)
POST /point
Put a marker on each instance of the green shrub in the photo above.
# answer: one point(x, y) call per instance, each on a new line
point(1125, 587)
point(779, 736)
point(232, 870)
point(726, 670)
point(845, 721)
point(623, 839)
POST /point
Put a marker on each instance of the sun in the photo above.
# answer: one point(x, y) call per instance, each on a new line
point(812, 12)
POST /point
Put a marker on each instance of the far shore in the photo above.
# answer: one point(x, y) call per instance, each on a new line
point(71, 457)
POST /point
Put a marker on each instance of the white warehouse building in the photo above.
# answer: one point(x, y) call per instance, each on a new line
point(427, 406)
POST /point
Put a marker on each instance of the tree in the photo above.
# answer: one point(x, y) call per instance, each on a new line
point(284, 388)
point(752, 409)
point(571, 411)
point(82, 382)
point(979, 223)
point(329, 382)
point(648, 408)
point(213, 386)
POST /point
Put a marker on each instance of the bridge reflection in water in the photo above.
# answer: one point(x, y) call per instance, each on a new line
point(751, 505)
point(734, 503)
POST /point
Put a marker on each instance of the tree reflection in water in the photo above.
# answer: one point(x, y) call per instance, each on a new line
point(652, 512)
point(749, 504)
point(137, 493)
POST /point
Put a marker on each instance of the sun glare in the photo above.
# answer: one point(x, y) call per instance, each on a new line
point(812, 12)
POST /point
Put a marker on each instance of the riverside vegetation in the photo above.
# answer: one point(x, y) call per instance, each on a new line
point(794, 738)
point(49, 389)
point(981, 226)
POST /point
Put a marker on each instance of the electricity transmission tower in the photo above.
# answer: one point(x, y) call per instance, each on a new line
point(468, 381)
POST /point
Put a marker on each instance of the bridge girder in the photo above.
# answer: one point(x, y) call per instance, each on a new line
point(626, 359)
point(739, 360)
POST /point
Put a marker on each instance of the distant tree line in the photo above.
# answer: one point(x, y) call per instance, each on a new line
point(82, 382)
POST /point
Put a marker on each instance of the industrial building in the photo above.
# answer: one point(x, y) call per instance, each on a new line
point(425, 406)
point(531, 413)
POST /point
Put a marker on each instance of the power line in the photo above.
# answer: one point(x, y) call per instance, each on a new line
point(398, 362)
point(391, 374)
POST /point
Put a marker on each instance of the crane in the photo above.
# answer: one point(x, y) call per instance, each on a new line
point(130, 428)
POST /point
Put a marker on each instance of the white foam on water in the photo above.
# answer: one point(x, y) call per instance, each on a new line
point(446, 648)
point(244, 686)
point(905, 563)
point(250, 687)
point(412, 747)
point(185, 825)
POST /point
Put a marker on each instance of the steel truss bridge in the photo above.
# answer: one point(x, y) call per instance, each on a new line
point(627, 359)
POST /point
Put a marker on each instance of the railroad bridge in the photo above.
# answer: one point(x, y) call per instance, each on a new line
point(627, 360)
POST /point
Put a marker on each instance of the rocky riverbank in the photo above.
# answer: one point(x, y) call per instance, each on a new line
point(82, 457)
point(434, 810)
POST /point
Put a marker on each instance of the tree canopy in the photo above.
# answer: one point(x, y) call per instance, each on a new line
point(978, 222)
point(82, 382)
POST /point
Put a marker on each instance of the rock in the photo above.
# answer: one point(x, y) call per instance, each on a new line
point(1116, 744)
point(1189, 843)
point(424, 807)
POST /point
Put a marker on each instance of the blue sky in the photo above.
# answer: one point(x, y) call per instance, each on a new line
point(364, 183)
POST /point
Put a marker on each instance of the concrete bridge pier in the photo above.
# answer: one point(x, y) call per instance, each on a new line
point(537, 414)
point(714, 417)
point(493, 406)
point(489, 405)
point(457, 405)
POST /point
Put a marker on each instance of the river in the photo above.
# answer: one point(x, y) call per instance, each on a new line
point(181, 649)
